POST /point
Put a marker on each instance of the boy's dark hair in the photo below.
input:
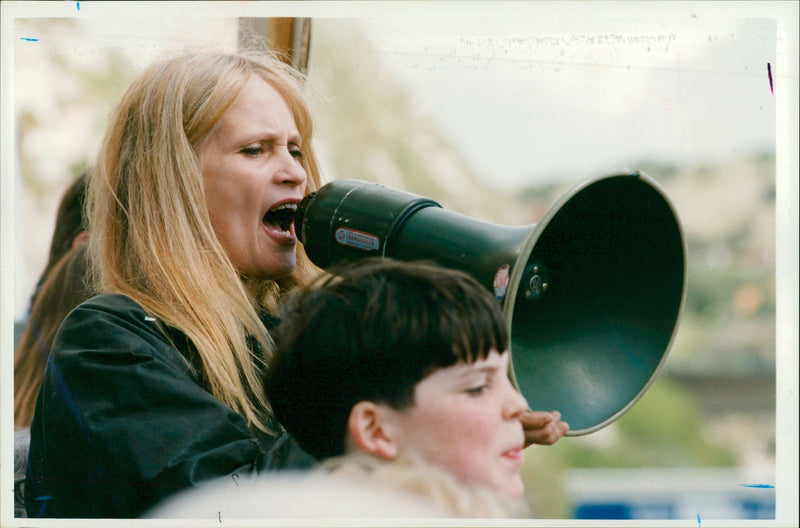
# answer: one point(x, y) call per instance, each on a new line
point(370, 332)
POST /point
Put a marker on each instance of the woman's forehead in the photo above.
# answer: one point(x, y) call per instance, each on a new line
point(260, 109)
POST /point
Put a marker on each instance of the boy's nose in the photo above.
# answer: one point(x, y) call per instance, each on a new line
point(516, 404)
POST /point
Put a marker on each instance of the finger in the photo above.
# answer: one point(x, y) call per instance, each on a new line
point(537, 419)
point(550, 434)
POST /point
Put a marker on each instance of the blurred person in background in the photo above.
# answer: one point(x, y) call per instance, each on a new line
point(65, 274)
point(62, 286)
point(70, 229)
point(68, 233)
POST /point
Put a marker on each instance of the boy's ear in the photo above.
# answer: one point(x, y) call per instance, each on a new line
point(368, 430)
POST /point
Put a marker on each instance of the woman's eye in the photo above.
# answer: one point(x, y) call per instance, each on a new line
point(296, 153)
point(252, 151)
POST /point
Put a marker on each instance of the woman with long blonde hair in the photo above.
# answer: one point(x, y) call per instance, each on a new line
point(156, 383)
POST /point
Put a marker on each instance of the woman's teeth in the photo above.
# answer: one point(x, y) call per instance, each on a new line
point(281, 217)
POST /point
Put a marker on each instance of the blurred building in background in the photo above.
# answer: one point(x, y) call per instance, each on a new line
point(666, 493)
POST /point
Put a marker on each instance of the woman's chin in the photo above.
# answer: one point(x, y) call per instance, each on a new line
point(276, 269)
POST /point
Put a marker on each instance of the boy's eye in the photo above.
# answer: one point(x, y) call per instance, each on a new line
point(477, 391)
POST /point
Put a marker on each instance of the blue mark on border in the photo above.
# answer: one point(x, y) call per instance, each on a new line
point(79, 5)
point(699, 523)
point(28, 39)
point(764, 486)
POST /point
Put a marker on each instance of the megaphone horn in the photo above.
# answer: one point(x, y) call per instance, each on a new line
point(592, 293)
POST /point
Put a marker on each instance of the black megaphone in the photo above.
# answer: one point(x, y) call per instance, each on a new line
point(592, 293)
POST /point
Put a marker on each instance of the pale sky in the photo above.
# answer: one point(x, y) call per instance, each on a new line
point(528, 92)
point(530, 99)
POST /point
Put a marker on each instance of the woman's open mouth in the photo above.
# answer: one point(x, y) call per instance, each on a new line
point(280, 219)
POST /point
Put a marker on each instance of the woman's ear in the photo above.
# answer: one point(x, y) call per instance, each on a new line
point(368, 429)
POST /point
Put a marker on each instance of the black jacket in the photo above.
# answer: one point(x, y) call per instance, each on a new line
point(121, 421)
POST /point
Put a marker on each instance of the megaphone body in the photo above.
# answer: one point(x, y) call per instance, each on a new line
point(592, 293)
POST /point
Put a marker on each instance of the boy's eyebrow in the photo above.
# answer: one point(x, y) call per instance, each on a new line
point(487, 365)
point(472, 369)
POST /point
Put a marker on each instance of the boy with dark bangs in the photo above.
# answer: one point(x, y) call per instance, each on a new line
point(386, 361)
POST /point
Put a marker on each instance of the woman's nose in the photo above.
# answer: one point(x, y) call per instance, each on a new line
point(291, 170)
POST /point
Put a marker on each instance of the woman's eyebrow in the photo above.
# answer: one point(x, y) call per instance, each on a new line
point(270, 135)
